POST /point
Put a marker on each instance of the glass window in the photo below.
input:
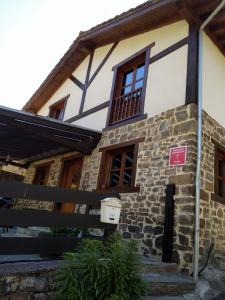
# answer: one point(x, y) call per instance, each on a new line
point(140, 72)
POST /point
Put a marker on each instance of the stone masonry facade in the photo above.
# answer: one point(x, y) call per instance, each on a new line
point(212, 217)
point(143, 213)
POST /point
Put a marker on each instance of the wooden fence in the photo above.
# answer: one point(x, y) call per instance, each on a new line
point(30, 217)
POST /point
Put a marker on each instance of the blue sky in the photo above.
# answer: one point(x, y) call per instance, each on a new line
point(34, 35)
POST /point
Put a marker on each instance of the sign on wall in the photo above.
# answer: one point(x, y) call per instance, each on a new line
point(178, 156)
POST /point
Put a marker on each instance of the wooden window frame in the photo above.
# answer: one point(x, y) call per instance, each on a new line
point(48, 165)
point(118, 69)
point(52, 107)
point(219, 154)
point(105, 166)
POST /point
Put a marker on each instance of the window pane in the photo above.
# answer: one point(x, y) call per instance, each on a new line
point(114, 178)
point(129, 159)
point(127, 77)
point(116, 161)
point(140, 71)
point(221, 188)
point(127, 177)
point(138, 84)
point(126, 90)
point(221, 168)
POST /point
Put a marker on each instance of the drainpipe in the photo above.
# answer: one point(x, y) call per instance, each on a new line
point(199, 141)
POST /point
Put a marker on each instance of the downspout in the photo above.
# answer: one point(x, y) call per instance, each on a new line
point(199, 141)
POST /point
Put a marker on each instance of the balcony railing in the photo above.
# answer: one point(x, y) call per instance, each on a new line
point(126, 106)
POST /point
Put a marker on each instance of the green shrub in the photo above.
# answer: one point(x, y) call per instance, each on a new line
point(101, 272)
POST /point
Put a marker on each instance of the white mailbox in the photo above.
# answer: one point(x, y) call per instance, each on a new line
point(110, 210)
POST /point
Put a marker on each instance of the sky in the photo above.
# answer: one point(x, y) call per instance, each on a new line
point(35, 34)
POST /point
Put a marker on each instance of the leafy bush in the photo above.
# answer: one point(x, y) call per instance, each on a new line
point(101, 272)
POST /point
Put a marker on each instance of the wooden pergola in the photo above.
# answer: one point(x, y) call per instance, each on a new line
point(26, 137)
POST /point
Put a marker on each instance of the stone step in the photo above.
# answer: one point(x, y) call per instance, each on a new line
point(171, 284)
point(155, 265)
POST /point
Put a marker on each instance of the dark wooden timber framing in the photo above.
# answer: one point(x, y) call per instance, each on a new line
point(169, 50)
point(89, 80)
point(105, 104)
point(103, 62)
point(89, 112)
point(192, 66)
point(77, 82)
point(147, 16)
point(86, 82)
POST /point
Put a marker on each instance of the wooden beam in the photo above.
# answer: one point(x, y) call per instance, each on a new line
point(77, 82)
point(89, 112)
point(35, 192)
point(186, 11)
point(43, 121)
point(36, 245)
point(15, 164)
point(86, 82)
point(192, 66)
point(169, 50)
point(41, 218)
point(102, 63)
point(78, 146)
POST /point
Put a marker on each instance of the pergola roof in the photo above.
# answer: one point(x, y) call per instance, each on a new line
point(28, 137)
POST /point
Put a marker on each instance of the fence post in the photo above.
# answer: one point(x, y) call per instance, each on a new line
point(168, 224)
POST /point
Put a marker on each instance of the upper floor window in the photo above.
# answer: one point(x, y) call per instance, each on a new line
point(128, 91)
point(57, 110)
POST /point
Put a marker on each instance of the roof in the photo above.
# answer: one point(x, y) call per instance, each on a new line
point(147, 16)
point(28, 137)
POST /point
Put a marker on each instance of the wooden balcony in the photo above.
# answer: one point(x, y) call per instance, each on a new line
point(126, 106)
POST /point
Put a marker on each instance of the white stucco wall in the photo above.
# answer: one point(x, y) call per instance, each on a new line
point(213, 81)
point(99, 90)
point(96, 121)
point(166, 86)
point(166, 83)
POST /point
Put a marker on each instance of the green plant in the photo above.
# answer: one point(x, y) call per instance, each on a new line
point(101, 272)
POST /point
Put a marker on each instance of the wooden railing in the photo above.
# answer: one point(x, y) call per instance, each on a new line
point(126, 106)
point(41, 218)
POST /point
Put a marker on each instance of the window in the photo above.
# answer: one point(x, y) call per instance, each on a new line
point(220, 173)
point(56, 110)
point(41, 175)
point(128, 91)
point(118, 167)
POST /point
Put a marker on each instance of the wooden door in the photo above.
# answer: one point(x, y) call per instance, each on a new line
point(70, 179)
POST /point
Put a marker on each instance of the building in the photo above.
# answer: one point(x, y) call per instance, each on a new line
point(134, 79)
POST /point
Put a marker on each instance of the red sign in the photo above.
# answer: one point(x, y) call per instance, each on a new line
point(178, 156)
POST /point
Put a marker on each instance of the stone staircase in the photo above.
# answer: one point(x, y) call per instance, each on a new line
point(165, 282)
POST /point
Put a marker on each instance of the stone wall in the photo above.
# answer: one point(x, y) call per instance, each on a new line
point(143, 213)
point(28, 281)
point(212, 217)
